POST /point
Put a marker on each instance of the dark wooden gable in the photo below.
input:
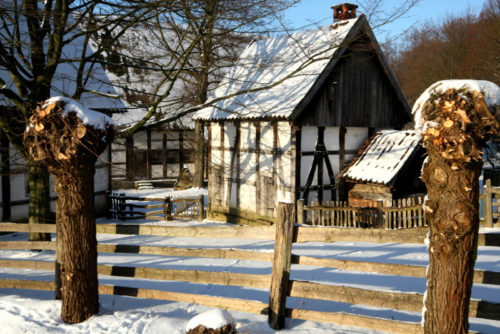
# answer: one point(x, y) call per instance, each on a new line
point(358, 90)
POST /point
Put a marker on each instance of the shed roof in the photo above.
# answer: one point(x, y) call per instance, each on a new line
point(382, 157)
point(276, 77)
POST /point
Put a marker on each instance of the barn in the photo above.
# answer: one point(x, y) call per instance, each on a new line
point(292, 112)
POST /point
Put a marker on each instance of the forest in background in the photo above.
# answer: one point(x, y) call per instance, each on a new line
point(458, 47)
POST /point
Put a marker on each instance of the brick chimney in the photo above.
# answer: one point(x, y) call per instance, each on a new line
point(344, 11)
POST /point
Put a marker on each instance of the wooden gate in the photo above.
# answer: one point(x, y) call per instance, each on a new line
point(130, 207)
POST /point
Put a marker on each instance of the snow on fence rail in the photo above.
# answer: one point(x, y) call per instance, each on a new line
point(130, 207)
point(280, 287)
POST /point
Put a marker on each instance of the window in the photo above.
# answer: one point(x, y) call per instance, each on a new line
point(156, 157)
point(172, 156)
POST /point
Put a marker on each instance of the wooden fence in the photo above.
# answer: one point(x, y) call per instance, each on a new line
point(404, 213)
point(132, 207)
point(490, 204)
point(278, 283)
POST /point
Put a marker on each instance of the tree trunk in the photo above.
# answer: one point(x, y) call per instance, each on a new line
point(452, 213)
point(457, 124)
point(39, 201)
point(59, 138)
point(76, 221)
point(199, 161)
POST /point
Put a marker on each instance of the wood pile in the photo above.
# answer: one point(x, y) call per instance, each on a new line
point(226, 329)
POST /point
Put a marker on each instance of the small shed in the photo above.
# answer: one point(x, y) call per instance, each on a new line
point(387, 167)
point(301, 107)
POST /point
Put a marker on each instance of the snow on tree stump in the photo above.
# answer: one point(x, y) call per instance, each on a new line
point(216, 321)
point(68, 138)
point(456, 119)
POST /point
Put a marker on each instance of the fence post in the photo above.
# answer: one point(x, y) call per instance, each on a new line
point(281, 265)
point(300, 211)
point(201, 204)
point(168, 209)
point(121, 206)
point(488, 210)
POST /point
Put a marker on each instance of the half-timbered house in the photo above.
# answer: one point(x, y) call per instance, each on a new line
point(301, 106)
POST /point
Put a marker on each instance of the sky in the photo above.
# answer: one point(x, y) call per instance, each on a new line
point(309, 11)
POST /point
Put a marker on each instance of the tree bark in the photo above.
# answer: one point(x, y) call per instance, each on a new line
point(453, 216)
point(39, 200)
point(199, 161)
point(77, 226)
point(59, 139)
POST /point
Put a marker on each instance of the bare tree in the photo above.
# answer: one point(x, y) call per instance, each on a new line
point(460, 47)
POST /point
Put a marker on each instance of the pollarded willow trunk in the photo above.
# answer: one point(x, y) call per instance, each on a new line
point(78, 270)
point(58, 137)
point(458, 123)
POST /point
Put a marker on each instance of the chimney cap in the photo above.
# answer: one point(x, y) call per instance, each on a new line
point(345, 4)
point(344, 11)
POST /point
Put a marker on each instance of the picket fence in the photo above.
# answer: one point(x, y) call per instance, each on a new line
point(404, 213)
point(284, 235)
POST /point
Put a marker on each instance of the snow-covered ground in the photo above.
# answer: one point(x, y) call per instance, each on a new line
point(25, 311)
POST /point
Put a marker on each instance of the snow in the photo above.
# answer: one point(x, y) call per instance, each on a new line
point(288, 66)
point(87, 116)
point(490, 91)
point(214, 319)
point(383, 157)
point(26, 311)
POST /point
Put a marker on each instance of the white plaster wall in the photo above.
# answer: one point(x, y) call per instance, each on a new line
point(156, 136)
point(101, 179)
point(248, 197)
point(215, 133)
point(305, 166)
point(284, 163)
point(140, 140)
point(18, 186)
point(229, 134)
point(266, 136)
point(156, 145)
point(247, 135)
point(266, 165)
point(355, 137)
point(309, 137)
point(157, 171)
point(173, 170)
point(332, 138)
point(118, 156)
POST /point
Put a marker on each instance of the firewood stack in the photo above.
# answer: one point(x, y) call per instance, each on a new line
point(56, 137)
point(461, 121)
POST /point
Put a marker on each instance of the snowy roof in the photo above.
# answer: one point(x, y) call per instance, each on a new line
point(144, 46)
point(283, 68)
point(382, 157)
point(490, 91)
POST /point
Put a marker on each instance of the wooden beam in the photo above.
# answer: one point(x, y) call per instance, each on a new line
point(281, 265)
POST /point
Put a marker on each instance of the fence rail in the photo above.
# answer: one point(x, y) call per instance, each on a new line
point(132, 207)
point(292, 288)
